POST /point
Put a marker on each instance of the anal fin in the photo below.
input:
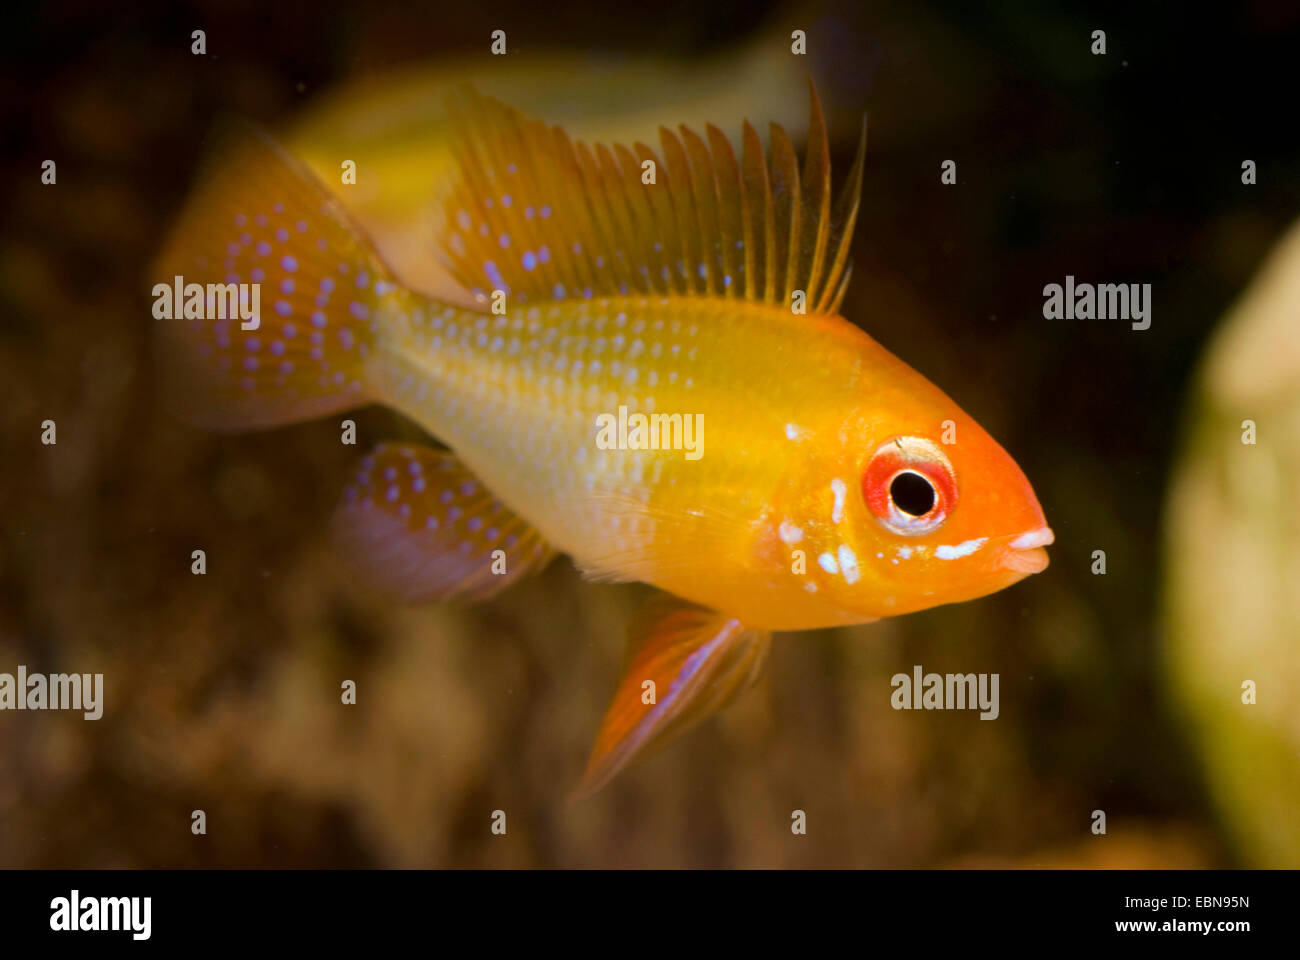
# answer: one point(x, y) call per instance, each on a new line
point(699, 660)
point(416, 524)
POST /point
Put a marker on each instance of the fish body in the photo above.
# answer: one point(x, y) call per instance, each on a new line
point(651, 376)
point(786, 405)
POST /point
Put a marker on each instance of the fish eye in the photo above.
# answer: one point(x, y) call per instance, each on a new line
point(909, 486)
point(913, 493)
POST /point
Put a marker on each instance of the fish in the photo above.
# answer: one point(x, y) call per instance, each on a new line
point(614, 298)
point(394, 126)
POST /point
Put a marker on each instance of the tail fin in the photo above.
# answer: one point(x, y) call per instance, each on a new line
point(267, 297)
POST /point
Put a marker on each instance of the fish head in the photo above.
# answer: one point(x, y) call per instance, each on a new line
point(913, 505)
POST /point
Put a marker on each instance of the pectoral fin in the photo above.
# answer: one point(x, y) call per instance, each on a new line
point(687, 663)
point(418, 525)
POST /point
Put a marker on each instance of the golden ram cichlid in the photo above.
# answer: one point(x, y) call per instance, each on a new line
point(651, 376)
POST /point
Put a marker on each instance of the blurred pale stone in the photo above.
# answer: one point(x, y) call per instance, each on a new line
point(1232, 599)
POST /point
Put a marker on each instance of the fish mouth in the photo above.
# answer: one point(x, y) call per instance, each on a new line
point(1025, 554)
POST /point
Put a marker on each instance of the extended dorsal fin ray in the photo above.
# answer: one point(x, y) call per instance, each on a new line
point(542, 218)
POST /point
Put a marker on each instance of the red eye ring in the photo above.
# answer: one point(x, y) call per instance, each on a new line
point(909, 486)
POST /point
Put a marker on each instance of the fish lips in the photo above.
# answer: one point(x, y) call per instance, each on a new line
point(1025, 554)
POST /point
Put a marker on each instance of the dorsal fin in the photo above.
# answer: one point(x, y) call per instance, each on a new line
point(541, 218)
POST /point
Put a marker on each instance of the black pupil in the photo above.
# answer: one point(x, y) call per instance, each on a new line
point(912, 493)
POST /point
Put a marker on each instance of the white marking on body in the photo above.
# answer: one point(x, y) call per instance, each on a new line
point(946, 552)
point(810, 587)
point(839, 490)
point(849, 564)
point(795, 432)
point(789, 533)
point(905, 552)
point(827, 563)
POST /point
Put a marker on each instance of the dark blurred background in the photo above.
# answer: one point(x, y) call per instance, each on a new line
point(222, 691)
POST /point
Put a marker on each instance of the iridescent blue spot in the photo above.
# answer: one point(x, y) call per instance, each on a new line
point(290, 331)
point(545, 211)
point(240, 220)
point(282, 308)
point(263, 249)
point(288, 263)
point(530, 260)
point(257, 275)
point(544, 255)
point(278, 208)
point(529, 212)
point(558, 292)
point(494, 275)
point(507, 200)
point(363, 279)
point(703, 272)
point(504, 241)
point(302, 226)
point(327, 284)
point(252, 344)
point(358, 310)
point(726, 281)
point(282, 235)
point(318, 319)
